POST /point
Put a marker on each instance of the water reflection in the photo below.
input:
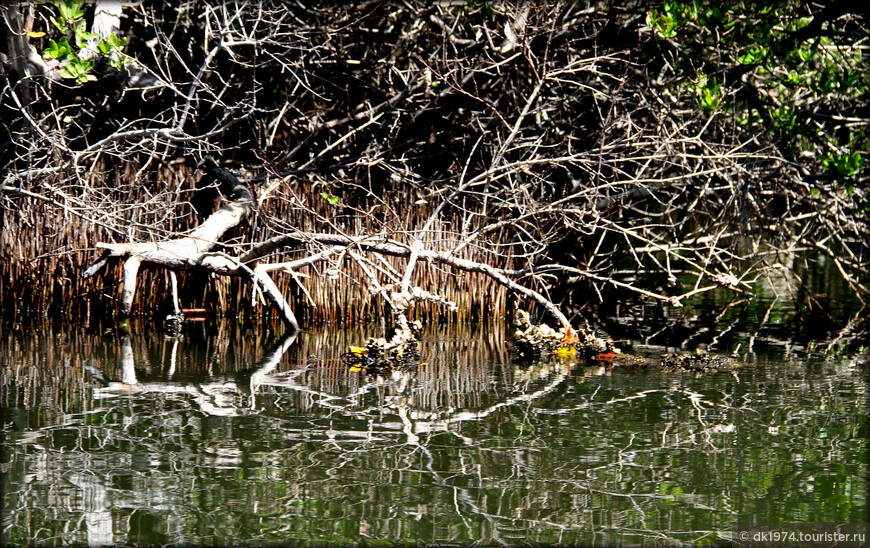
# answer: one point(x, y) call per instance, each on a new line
point(216, 396)
point(250, 438)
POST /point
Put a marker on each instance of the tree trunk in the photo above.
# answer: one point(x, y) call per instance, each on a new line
point(22, 56)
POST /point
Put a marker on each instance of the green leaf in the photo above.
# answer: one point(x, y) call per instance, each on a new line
point(60, 25)
point(70, 10)
point(67, 72)
point(333, 200)
point(58, 50)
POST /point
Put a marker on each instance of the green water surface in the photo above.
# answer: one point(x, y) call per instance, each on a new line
point(223, 438)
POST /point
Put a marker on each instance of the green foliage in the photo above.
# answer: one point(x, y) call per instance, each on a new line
point(72, 13)
point(72, 65)
point(753, 55)
point(847, 164)
point(78, 69)
point(70, 23)
point(709, 92)
point(331, 199)
point(59, 49)
point(83, 36)
point(111, 47)
point(784, 122)
point(774, 66)
point(666, 22)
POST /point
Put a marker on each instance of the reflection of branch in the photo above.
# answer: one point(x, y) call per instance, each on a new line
point(97, 503)
point(271, 360)
point(413, 422)
point(128, 363)
point(849, 333)
point(441, 423)
point(211, 397)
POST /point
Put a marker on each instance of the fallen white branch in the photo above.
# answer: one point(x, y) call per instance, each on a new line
point(194, 250)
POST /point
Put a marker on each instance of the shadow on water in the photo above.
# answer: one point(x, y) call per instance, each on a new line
point(227, 437)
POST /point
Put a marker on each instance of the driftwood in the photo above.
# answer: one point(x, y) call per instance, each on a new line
point(195, 249)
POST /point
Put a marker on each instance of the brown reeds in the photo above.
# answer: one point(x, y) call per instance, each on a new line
point(45, 247)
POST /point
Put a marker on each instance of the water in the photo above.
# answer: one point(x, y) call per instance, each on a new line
point(250, 438)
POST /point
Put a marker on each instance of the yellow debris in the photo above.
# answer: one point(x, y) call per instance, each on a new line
point(358, 351)
point(566, 352)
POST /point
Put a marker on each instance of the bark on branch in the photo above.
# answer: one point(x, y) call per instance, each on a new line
point(377, 244)
point(195, 250)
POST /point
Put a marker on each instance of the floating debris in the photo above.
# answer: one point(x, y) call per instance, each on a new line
point(376, 358)
point(699, 362)
point(533, 341)
point(382, 356)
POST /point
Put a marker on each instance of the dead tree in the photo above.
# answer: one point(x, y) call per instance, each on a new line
point(195, 249)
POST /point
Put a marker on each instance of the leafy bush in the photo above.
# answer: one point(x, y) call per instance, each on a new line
point(74, 63)
point(798, 73)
